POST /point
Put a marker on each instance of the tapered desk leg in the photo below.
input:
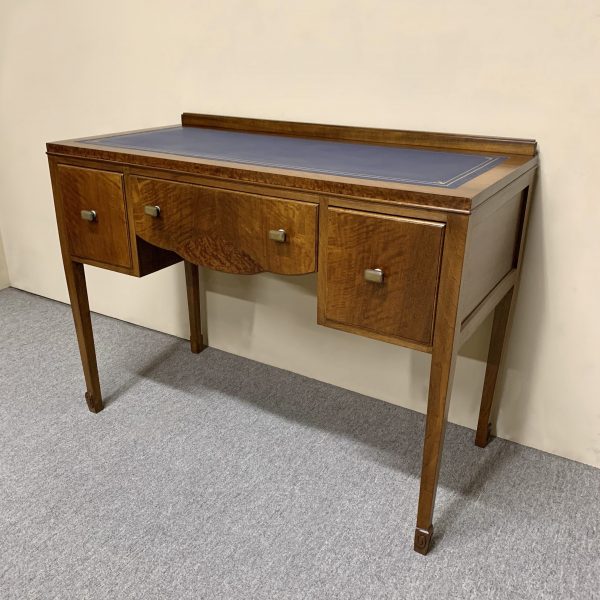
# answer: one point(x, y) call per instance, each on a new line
point(75, 274)
point(443, 360)
point(440, 385)
point(499, 329)
point(192, 281)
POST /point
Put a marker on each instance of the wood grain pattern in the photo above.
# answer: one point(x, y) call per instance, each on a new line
point(106, 239)
point(76, 285)
point(192, 283)
point(521, 157)
point(148, 258)
point(407, 250)
point(364, 134)
point(449, 256)
point(443, 362)
point(493, 366)
point(375, 335)
point(470, 324)
point(226, 231)
point(490, 254)
point(500, 329)
point(387, 208)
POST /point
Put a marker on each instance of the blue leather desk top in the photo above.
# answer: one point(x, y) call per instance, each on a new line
point(384, 163)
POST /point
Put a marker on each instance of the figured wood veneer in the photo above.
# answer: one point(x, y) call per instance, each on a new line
point(449, 256)
point(408, 251)
point(105, 239)
point(226, 231)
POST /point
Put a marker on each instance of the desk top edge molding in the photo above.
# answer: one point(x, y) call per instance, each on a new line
point(521, 157)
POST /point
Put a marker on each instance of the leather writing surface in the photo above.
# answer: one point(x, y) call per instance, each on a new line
point(366, 161)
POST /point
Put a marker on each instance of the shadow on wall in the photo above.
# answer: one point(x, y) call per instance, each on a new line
point(253, 292)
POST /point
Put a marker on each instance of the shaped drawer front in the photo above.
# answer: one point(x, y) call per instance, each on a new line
point(95, 218)
point(224, 230)
point(381, 273)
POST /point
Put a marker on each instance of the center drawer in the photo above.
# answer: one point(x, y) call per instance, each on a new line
point(229, 231)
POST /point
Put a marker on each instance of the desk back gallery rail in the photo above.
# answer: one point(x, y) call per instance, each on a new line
point(415, 237)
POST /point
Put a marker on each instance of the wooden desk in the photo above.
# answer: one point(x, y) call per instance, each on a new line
point(416, 237)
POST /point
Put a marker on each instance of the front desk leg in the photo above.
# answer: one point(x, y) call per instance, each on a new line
point(75, 275)
point(440, 385)
point(443, 360)
point(192, 282)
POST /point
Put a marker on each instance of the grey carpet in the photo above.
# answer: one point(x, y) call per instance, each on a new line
point(213, 476)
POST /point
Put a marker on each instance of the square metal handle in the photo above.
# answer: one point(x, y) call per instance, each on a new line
point(277, 235)
point(374, 275)
point(153, 211)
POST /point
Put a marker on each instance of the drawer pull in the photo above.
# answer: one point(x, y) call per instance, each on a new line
point(153, 211)
point(88, 215)
point(374, 275)
point(277, 235)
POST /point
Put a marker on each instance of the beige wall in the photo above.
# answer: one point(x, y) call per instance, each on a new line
point(528, 69)
point(3, 267)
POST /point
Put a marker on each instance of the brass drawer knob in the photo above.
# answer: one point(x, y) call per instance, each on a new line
point(153, 211)
point(374, 275)
point(277, 235)
point(88, 215)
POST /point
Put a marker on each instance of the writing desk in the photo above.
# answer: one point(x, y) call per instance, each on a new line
point(416, 237)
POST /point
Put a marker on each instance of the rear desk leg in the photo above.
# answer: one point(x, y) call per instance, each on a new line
point(443, 360)
point(502, 317)
point(499, 329)
point(192, 282)
point(83, 326)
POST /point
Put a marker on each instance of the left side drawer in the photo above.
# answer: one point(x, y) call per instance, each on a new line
point(101, 233)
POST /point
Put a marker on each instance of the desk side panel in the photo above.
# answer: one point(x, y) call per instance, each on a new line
point(492, 252)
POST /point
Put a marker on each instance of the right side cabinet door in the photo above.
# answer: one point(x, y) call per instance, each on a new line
point(381, 274)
